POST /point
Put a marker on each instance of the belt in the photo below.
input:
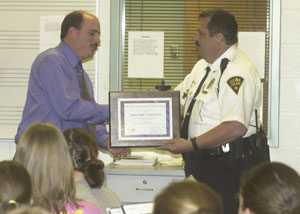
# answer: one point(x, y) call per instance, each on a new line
point(236, 147)
point(209, 153)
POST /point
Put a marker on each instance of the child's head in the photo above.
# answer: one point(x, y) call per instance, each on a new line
point(84, 153)
point(187, 197)
point(15, 185)
point(29, 210)
point(270, 187)
point(43, 150)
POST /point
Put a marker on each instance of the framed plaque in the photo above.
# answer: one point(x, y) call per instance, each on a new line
point(143, 119)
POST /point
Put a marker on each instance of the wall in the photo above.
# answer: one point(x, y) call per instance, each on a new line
point(7, 145)
point(103, 78)
point(20, 42)
point(289, 118)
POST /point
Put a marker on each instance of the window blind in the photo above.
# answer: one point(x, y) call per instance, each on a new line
point(178, 19)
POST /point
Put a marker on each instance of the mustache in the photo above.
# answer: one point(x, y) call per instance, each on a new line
point(95, 45)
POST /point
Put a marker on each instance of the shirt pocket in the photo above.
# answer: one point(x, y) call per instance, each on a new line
point(206, 105)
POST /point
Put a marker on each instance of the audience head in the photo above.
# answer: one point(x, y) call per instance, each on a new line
point(29, 210)
point(84, 153)
point(43, 150)
point(15, 185)
point(271, 187)
point(187, 197)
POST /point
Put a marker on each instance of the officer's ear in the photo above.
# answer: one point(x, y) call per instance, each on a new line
point(248, 211)
point(241, 209)
point(219, 37)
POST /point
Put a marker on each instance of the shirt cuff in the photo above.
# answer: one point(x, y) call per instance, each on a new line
point(101, 136)
point(101, 140)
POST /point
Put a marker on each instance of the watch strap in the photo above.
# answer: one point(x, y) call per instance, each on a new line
point(194, 144)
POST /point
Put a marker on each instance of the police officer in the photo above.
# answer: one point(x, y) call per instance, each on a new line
point(220, 96)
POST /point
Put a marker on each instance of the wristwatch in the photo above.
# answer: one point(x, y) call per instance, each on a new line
point(194, 144)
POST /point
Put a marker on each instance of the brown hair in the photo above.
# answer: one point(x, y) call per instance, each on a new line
point(73, 19)
point(222, 21)
point(271, 188)
point(84, 153)
point(15, 185)
point(187, 197)
point(29, 210)
point(43, 150)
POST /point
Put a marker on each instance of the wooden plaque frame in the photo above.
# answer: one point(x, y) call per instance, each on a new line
point(138, 107)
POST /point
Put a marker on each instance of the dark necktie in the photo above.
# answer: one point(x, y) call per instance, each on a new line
point(185, 125)
point(84, 93)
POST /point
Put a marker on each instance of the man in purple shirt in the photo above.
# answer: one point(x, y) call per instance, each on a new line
point(54, 90)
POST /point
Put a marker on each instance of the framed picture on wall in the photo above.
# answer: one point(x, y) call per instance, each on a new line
point(143, 119)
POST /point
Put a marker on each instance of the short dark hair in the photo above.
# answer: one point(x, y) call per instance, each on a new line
point(73, 19)
point(222, 21)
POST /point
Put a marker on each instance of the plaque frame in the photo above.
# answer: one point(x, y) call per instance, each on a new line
point(126, 107)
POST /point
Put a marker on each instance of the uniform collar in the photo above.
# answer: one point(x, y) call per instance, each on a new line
point(69, 54)
point(229, 54)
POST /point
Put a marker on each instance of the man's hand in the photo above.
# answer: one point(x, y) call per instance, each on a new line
point(177, 145)
point(117, 152)
point(221, 134)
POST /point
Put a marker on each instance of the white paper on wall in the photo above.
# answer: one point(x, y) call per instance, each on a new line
point(253, 45)
point(49, 31)
point(145, 54)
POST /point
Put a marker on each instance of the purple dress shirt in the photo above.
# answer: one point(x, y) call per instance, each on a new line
point(54, 95)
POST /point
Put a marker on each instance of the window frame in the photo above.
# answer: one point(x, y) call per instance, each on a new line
point(117, 32)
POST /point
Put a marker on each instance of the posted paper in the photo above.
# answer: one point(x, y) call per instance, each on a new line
point(145, 54)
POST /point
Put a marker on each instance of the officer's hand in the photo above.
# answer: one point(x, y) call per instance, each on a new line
point(177, 145)
point(117, 152)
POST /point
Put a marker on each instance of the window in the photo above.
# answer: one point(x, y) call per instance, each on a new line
point(178, 20)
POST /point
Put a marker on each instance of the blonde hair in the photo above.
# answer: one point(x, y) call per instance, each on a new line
point(187, 197)
point(43, 150)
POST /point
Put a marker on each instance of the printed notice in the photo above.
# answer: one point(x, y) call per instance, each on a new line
point(145, 119)
point(253, 45)
point(145, 54)
point(49, 31)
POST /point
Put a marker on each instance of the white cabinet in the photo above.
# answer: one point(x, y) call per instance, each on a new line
point(8, 149)
point(140, 183)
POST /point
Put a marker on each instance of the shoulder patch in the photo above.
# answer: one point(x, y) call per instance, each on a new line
point(235, 83)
